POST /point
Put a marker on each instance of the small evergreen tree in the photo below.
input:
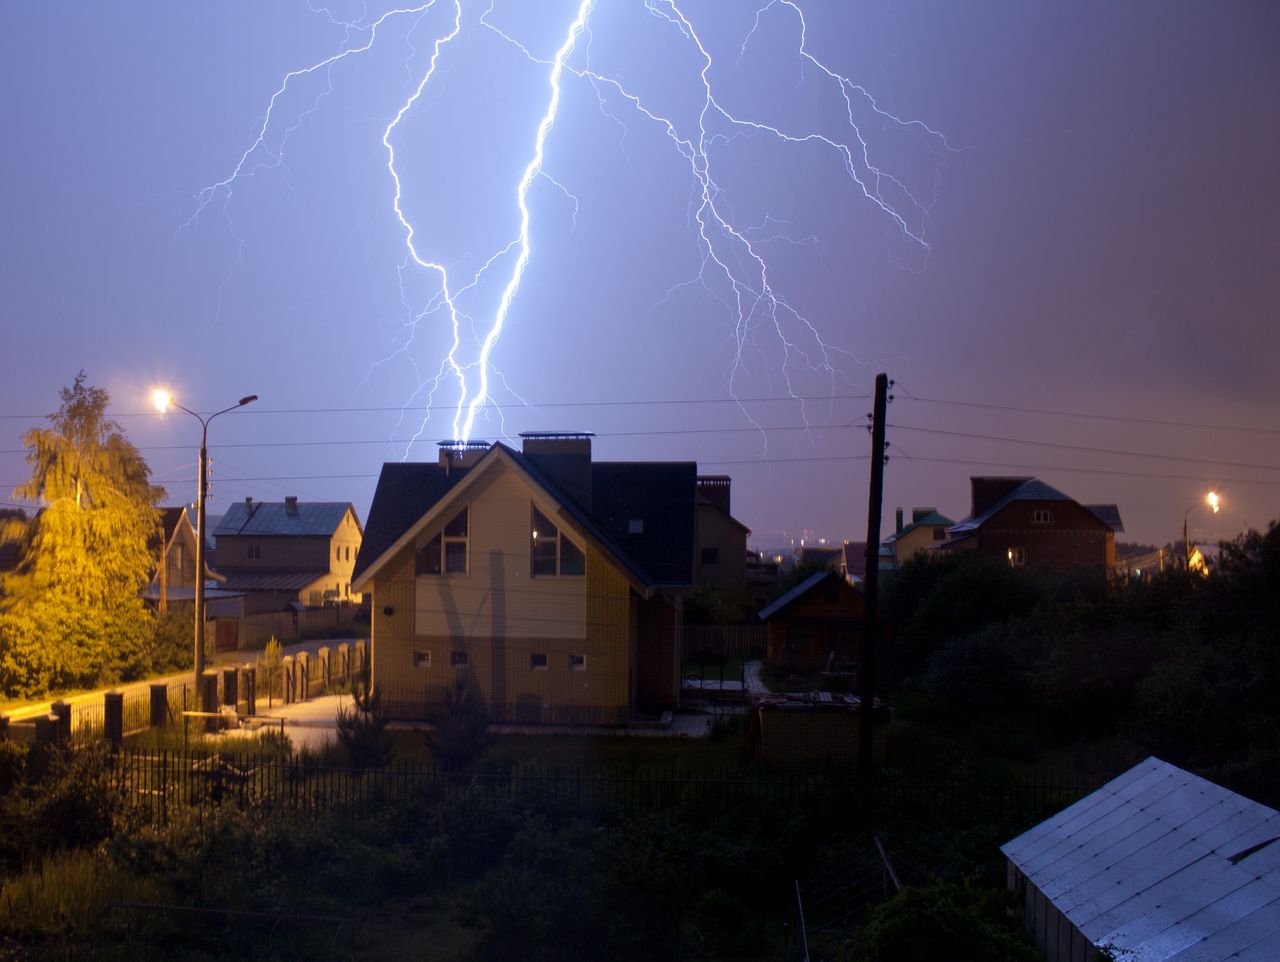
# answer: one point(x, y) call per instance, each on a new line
point(362, 730)
point(271, 668)
point(461, 725)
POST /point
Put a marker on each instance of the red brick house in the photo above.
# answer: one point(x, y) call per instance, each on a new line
point(1026, 522)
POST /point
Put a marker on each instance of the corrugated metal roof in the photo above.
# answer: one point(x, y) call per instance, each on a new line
point(271, 580)
point(1162, 865)
point(271, 518)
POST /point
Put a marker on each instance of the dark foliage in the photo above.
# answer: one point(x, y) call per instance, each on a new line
point(362, 729)
point(461, 724)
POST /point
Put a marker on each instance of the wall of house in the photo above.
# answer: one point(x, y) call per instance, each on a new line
point(180, 558)
point(293, 552)
point(659, 623)
point(1073, 538)
point(498, 617)
point(827, 619)
point(718, 533)
point(343, 547)
point(917, 539)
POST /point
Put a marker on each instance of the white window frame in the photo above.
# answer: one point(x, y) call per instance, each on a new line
point(580, 664)
point(1041, 516)
point(534, 665)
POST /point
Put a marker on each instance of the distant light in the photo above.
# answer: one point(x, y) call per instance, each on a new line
point(1213, 501)
point(161, 399)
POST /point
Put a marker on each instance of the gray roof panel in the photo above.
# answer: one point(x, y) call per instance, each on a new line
point(1144, 865)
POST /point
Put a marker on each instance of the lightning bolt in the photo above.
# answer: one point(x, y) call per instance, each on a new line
point(733, 267)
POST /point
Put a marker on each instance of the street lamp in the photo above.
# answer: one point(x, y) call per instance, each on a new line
point(163, 401)
point(1211, 500)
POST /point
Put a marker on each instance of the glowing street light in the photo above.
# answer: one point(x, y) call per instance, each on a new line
point(1212, 501)
point(163, 400)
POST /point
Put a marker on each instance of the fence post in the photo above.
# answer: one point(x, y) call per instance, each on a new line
point(326, 668)
point(302, 665)
point(159, 705)
point(286, 680)
point(230, 686)
point(4, 728)
point(47, 729)
point(113, 718)
point(361, 654)
point(62, 710)
point(344, 662)
point(250, 674)
point(209, 698)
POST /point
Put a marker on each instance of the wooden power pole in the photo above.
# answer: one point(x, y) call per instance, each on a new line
point(871, 581)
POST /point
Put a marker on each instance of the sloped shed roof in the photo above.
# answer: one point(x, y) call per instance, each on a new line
point(1162, 866)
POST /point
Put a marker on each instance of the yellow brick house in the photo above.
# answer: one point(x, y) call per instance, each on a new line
point(555, 582)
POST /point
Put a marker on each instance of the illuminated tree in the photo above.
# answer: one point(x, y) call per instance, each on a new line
point(72, 614)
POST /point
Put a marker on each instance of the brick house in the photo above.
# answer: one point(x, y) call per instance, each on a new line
point(1026, 522)
point(288, 554)
point(555, 581)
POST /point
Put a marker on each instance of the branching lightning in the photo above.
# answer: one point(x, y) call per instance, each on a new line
point(733, 267)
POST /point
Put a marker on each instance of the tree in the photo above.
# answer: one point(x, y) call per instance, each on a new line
point(362, 731)
point(72, 615)
point(461, 725)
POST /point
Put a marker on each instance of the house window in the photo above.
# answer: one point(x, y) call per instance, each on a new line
point(422, 659)
point(348, 553)
point(635, 526)
point(1041, 516)
point(710, 556)
point(550, 551)
point(1017, 557)
point(577, 662)
point(255, 552)
point(458, 659)
point(445, 552)
point(538, 662)
point(939, 534)
point(337, 553)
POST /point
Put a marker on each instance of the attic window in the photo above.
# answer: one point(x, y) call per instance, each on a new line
point(635, 526)
point(550, 550)
point(939, 534)
point(445, 552)
point(1041, 516)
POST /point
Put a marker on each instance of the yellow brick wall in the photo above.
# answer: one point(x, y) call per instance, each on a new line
point(599, 694)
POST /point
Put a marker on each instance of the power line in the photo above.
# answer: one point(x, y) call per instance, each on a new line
point(510, 405)
point(1131, 419)
point(1105, 471)
point(1087, 448)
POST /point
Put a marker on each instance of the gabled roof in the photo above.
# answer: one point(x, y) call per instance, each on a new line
point(1108, 514)
point(1160, 864)
point(800, 590)
point(275, 519)
point(931, 520)
point(659, 495)
point(1033, 489)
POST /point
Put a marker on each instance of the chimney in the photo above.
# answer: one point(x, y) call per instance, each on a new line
point(248, 506)
point(987, 491)
point(715, 488)
point(461, 455)
point(291, 504)
point(565, 458)
point(899, 514)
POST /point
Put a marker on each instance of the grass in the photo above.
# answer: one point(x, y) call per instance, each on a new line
point(630, 753)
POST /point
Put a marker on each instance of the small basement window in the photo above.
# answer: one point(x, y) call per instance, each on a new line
point(458, 659)
point(577, 662)
point(538, 662)
point(1017, 557)
point(422, 659)
point(635, 526)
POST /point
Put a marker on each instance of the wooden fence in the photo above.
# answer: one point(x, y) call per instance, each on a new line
point(743, 642)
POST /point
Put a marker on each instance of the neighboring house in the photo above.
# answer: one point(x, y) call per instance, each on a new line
point(557, 583)
point(721, 561)
point(818, 555)
point(816, 622)
point(289, 554)
point(1026, 522)
point(853, 560)
point(927, 530)
point(175, 577)
point(1158, 865)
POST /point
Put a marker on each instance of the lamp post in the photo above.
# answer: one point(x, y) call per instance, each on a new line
point(1212, 501)
point(163, 400)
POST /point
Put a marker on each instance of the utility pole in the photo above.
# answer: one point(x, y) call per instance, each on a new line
point(871, 581)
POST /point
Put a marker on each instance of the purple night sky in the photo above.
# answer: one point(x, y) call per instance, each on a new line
point(1066, 265)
